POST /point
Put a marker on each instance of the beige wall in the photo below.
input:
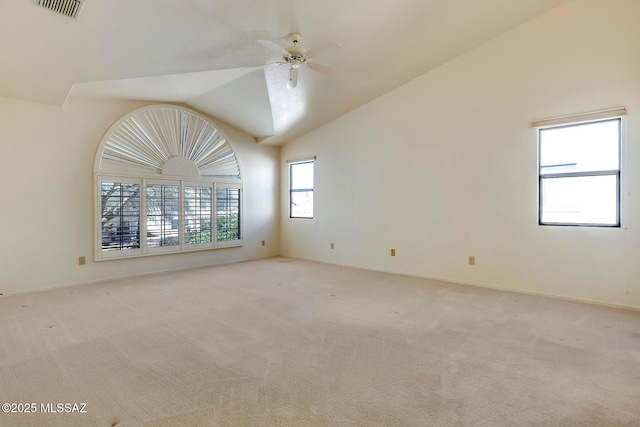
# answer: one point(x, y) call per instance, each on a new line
point(445, 166)
point(46, 196)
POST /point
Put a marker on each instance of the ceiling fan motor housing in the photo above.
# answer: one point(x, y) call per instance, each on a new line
point(297, 55)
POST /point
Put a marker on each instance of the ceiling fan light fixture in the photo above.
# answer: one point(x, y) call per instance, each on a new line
point(293, 78)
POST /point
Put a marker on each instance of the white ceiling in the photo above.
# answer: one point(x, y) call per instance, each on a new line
point(200, 52)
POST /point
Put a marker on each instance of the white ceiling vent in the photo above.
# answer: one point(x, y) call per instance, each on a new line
point(70, 8)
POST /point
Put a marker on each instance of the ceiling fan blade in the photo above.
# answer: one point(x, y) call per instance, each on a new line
point(274, 47)
point(324, 69)
point(258, 67)
point(293, 78)
point(322, 48)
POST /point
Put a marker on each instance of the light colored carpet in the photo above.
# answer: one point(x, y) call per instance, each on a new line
point(271, 343)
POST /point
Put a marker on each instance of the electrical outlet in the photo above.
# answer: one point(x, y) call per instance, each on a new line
point(82, 260)
point(263, 243)
point(332, 246)
point(393, 252)
point(472, 260)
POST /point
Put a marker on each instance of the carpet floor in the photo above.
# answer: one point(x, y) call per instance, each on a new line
point(280, 342)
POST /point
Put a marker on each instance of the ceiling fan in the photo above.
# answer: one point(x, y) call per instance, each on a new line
point(296, 56)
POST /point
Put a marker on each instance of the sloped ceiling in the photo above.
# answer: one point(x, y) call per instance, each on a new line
point(204, 53)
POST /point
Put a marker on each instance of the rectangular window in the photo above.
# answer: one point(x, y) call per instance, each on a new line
point(163, 215)
point(140, 217)
point(301, 178)
point(197, 214)
point(120, 213)
point(579, 174)
point(227, 214)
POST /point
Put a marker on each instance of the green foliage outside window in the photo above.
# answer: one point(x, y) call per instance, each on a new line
point(228, 227)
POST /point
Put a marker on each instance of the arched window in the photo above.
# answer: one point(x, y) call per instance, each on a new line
point(166, 181)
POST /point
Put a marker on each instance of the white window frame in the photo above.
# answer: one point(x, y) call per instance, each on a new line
point(290, 164)
point(145, 223)
point(204, 245)
point(578, 120)
point(227, 243)
point(144, 249)
point(98, 226)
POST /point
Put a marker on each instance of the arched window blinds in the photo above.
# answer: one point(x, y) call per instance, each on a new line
point(167, 180)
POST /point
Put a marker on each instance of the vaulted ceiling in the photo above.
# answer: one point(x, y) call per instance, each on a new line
point(205, 53)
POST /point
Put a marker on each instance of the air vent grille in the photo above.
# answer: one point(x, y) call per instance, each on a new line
point(70, 8)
